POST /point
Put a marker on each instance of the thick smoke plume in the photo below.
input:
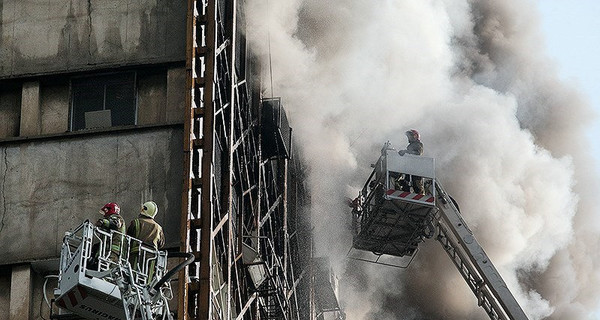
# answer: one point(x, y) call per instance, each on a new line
point(507, 136)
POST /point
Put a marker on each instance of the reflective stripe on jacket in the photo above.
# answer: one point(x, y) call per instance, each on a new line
point(117, 223)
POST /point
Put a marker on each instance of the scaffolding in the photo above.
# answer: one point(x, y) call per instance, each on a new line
point(243, 194)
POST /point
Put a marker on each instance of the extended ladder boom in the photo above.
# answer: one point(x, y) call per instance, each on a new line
point(473, 263)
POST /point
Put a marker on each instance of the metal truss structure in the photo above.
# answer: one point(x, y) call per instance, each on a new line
point(241, 206)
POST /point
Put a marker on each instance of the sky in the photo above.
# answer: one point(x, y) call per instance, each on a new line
point(572, 33)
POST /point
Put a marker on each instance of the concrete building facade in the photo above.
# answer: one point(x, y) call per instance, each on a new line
point(92, 95)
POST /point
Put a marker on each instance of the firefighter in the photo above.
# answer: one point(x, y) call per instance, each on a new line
point(415, 146)
point(148, 231)
point(112, 220)
point(145, 228)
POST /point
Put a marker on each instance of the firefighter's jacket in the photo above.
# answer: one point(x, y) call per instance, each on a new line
point(415, 147)
point(148, 231)
point(117, 223)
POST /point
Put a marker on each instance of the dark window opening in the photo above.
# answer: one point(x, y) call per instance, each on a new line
point(103, 101)
point(10, 108)
point(276, 131)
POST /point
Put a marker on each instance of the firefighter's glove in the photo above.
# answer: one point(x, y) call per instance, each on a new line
point(102, 223)
point(401, 152)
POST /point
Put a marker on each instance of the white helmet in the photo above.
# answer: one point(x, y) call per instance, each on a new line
point(149, 209)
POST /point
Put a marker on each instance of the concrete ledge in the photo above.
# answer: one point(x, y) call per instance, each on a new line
point(79, 133)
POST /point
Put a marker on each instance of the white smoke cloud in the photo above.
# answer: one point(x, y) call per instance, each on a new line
point(505, 133)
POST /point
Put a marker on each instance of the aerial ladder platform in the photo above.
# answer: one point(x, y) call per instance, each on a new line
point(96, 281)
point(389, 219)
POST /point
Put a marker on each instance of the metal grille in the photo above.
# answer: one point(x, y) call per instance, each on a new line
point(238, 216)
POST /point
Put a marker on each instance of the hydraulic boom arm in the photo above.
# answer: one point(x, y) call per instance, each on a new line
point(473, 263)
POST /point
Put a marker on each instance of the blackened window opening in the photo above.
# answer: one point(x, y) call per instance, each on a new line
point(115, 92)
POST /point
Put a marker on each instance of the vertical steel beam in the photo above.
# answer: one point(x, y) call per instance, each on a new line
point(286, 236)
point(229, 18)
point(206, 208)
point(198, 158)
point(182, 303)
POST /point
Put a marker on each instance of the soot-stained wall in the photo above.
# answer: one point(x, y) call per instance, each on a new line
point(50, 186)
point(39, 37)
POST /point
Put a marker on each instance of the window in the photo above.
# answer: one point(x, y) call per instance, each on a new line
point(103, 101)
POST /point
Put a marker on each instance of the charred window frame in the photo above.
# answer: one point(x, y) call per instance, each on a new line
point(115, 92)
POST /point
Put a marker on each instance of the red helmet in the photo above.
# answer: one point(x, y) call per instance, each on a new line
point(110, 208)
point(413, 133)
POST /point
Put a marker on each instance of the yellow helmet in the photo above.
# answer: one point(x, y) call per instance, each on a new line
point(149, 209)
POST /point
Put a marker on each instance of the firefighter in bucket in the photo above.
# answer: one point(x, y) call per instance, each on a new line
point(405, 181)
